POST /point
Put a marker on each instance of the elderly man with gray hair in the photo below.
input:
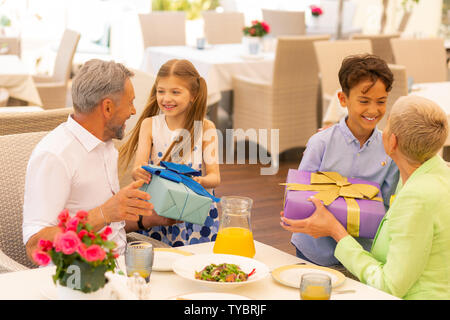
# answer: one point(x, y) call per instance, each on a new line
point(74, 167)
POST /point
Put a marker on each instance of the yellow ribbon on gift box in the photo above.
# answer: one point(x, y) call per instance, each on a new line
point(332, 185)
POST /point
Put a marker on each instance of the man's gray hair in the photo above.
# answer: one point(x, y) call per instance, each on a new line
point(97, 80)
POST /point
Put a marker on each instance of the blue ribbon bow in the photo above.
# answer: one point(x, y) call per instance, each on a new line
point(180, 173)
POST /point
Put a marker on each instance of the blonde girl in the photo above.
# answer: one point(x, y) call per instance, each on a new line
point(173, 127)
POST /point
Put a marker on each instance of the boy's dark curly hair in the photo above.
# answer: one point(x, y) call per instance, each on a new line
point(357, 68)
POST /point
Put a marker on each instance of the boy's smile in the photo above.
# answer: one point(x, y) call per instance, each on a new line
point(366, 106)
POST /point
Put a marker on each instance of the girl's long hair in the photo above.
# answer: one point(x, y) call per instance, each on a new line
point(184, 70)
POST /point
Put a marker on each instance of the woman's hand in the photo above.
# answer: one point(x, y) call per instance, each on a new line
point(139, 173)
point(321, 223)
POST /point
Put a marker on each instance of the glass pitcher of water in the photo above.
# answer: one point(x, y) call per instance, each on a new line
point(235, 234)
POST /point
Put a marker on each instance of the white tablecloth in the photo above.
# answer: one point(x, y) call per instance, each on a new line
point(17, 80)
point(31, 284)
point(438, 92)
point(217, 64)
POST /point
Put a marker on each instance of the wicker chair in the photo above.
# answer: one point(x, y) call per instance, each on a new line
point(33, 121)
point(15, 151)
point(4, 96)
point(381, 44)
point(289, 103)
point(399, 88)
point(224, 27)
point(53, 89)
point(425, 59)
point(284, 23)
point(163, 28)
point(13, 45)
point(329, 57)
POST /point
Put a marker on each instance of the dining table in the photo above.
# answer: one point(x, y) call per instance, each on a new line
point(37, 284)
point(15, 78)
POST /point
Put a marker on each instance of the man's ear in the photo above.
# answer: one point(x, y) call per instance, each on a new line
point(107, 107)
point(342, 99)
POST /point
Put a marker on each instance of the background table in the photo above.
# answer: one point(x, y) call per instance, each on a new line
point(217, 64)
point(438, 92)
point(164, 285)
point(17, 80)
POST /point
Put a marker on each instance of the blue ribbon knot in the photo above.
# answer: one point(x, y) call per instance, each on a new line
point(180, 173)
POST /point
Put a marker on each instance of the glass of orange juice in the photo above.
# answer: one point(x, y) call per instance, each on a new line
point(139, 259)
point(235, 234)
point(315, 286)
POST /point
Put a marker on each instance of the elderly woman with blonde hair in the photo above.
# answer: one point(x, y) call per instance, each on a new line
point(410, 255)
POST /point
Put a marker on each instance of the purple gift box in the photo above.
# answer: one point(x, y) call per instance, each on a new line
point(297, 206)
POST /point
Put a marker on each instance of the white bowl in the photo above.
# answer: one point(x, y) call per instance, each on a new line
point(186, 267)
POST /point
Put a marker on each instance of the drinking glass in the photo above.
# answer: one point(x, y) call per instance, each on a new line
point(315, 286)
point(235, 234)
point(139, 259)
point(201, 43)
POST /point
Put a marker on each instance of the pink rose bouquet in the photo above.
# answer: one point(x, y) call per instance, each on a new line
point(316, 10)
point(77, 251)
point(257, 29)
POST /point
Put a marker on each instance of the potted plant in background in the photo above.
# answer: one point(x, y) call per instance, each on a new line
point(316, 12)
point(81, 256)
point(254, 33)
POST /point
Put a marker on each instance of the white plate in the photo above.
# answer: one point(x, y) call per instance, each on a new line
point(187, 266)
point(290, 275)
point(165, 257)
point(210, 296)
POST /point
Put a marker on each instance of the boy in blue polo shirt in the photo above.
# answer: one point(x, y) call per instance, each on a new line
point(354, 146)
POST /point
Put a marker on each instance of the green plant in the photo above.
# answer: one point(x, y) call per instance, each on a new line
point(193, 8)
point(257, 29)
point(5, 21)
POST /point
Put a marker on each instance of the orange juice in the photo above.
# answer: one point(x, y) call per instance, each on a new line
point(315, 293)
point(143, 273)
point(234, 240)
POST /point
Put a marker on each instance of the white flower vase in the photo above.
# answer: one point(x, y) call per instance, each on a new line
point(315, 22)
point(254, 45)
point(65, 293)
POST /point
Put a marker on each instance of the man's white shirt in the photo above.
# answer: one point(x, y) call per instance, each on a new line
point(70, 169)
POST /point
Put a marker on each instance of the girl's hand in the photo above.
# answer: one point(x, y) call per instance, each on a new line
point(321, 223)
point(199, 180)
point(139, 173)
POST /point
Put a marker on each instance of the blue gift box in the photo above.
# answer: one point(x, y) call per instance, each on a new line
point(175, 195)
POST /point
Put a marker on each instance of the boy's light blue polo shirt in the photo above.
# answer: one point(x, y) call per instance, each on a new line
point(337, 149)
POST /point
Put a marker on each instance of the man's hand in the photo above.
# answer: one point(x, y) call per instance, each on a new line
point(128, 204)
point(321, 223)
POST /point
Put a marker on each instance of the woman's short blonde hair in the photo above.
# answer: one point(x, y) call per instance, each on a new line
point(420, 125)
